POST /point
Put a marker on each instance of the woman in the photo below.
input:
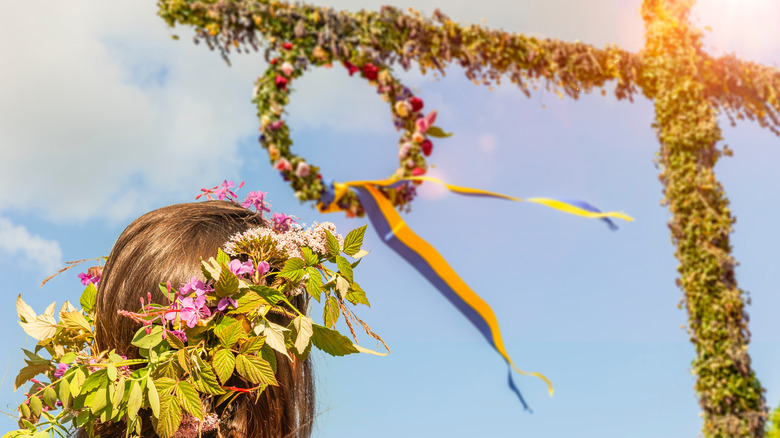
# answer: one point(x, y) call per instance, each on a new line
point(167, 245)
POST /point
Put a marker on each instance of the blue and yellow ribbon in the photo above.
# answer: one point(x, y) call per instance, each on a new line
point(422, 256)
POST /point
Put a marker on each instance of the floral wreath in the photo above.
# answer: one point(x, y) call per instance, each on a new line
point(272, 94)
point(208, 332)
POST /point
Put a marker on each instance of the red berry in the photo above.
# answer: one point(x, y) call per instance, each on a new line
point(351, 68)
point(370, 71)
point(418, 171)
point(417, 103)
point(281, 82)
point(287, 46)
point(274, 61)
point(427, 147)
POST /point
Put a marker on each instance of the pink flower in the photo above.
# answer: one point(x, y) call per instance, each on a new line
point(60, 371)
point(179, 334)
point(86, 279)
point(302, 170)
point(224, 190)
point(423, 123)
point(427, 147)
point(257, 200)
point(282, 221)
point(263, 267)
point(238, 268)
point(274, 126)
point(417, 103)
point(193, 310)
point(418, 171)
point(287, 69)
point(283, 164)
point(195, 285)
point(225, 302)
point(281, 82)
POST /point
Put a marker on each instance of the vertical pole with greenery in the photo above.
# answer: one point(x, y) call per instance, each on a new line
point(686, 122)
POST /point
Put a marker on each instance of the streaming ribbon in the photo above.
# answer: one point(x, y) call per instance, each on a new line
point(422, 256)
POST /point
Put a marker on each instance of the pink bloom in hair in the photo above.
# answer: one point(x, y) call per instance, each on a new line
point(224, 190)
point(238, 268)
point(282, 221)
point(195, 285)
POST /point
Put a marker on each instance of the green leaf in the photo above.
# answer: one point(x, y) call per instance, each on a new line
point(92, 382)
point(356, 295)
point(333, 244)
point(274, 335)
point(87, 299)
point(227, 284)
point(252, 345)
point(255, 369)
point(169, 420)
point(205, 380)
point(303, 326)
point(229, 335)
point(28, 372)
point(345, 268)
point(268, 354)
point(330, 313)
point(342, 286)
point(36, 407)
point(314, 283)
point(269, 294)
point(224, 363)
point(435, 131)
point(119, 393)
point(24, 410)
point(247, 302)
point(293, 269)
point(49, 396)
point(68, 357)
point(34, 359)
point(100, 401)
point(134, 401)
point(142, 340)
point(309, 256)
point(154, 398)
point(164, 289)
point(331, 341)
point(189, 399)
point(111, 371)
point(222, 258)
point(77, 382)
point(354, 241)
point(63, 390)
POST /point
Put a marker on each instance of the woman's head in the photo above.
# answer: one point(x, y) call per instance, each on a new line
point(167, 245)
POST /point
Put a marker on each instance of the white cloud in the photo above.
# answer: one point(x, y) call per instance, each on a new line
point(17, 240)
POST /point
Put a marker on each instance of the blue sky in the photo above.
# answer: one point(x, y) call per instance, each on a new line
point(104, 117)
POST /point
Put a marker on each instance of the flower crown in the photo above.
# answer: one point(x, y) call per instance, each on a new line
point(208, 333)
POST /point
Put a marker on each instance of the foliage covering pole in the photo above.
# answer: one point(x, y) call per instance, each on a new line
point(729, 392)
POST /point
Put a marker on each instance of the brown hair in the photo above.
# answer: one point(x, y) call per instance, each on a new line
point(167, 245)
